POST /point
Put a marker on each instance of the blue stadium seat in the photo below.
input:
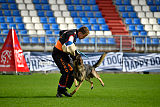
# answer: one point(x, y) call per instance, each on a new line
point(42, 40)
point(46, 7)
point(13, 7)
point(105, 27)
point(128, 20)
point(21, 26)
point(118, 2)
point(126, 2)
point(23, 32)
point(41, 13)
point(93, 21)
point(46, 26)
point(85, 41)
point(43, 19)
point(157, 2)
point(158, 8)
point(129, 9)
point(155, 41)
point(140, 27)
point(139, 41)
point(96, 27)
point(51, 40)
point(52, 20)
point(55, 27)
point(56, 32)
point(79, 25)
point(7, 12)
point(133, 14)
point(90, 14)
point(36, 1)
point(5, 32)
point(150, 2)
point(125, 15)
point(9, 19)
point(89, 26)
point(26, 40)
point(70, 7)
point(1, 14)
point(158, 20)
point(17, 33)
point(93, 41)
point(143, 33)
point(74, 14)
point(98, 14)
point(92, 2)
point(153, 8)
point(84, 2)
point(87, 8)
point(84, 21)
point(95, 8)
point(35, 40)
point(12, 25)
point(76, 2)
point(1, 39)
point(2, 19)
point(16, 13)
point(78, 8)
point(44, 2)
point(4, 26)
point(38, 6)
point(3, 1)
point(18, 19)
point(136, 21)
point(135, 33)
point(111, 41)
point(148, 41)
point(132, 28)
point(101, 21)
point(82, 14)
point(77, 20)
point(49, 13)
point(121, 8)
point(48, 32)
point(11, 1)
point(68, 2)
point(4, 6)
point(102, 41)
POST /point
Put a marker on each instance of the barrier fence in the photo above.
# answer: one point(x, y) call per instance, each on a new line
point(92, 43)
point(114, 61)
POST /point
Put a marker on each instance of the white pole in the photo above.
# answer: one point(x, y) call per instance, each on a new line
point(14, 48)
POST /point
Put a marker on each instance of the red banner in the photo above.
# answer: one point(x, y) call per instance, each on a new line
point(11, 55)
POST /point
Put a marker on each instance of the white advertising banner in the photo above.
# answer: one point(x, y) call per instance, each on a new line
point(114, 61)
point(38, 61)
point(134, 62)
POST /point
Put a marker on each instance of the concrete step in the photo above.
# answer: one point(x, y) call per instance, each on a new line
point(117, 28)
point(120, 33)
point(112, 18)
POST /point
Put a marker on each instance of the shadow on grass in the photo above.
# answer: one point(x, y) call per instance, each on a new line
point(28, 97)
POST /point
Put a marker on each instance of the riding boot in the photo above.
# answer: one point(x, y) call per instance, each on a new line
point(62, 90)
point(59, 93)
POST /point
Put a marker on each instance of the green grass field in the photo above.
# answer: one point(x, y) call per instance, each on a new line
point(121, 90)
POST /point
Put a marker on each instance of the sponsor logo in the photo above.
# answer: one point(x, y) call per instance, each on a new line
point(6, 56)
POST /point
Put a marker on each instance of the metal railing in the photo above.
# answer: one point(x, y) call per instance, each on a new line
point(119, 47)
